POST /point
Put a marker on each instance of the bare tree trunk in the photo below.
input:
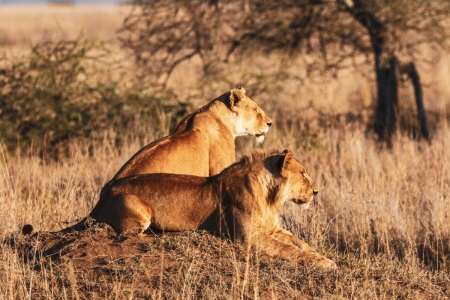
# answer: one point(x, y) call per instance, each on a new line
point(386, 69)
point(387, 107)
point(387, 74)
point(423, 121)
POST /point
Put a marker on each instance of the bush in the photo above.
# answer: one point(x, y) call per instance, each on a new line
point(55, 94)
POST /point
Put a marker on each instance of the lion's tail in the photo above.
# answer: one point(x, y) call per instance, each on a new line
point(88, 221)
point(84, 224)
point(27, 229)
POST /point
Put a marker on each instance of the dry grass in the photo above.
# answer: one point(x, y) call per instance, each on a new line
point(382, 215)
point(23, 26)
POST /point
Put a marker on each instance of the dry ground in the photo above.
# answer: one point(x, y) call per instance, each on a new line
point(196, 265)
point(382, 215)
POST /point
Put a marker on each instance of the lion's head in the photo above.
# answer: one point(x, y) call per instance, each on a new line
point(297, 185)
point(286, 176)
point(250, 118)
point(277, 175)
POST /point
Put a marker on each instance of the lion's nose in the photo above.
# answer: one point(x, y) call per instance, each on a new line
point(315, 192)
point(269, 124)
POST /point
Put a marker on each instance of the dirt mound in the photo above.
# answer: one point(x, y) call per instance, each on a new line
point(100, 263)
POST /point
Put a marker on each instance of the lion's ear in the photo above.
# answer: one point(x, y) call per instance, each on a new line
point(286, 158)
point(236, 95)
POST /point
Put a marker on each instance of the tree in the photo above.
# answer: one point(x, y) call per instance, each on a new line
point(386, 23)
point(163, 34)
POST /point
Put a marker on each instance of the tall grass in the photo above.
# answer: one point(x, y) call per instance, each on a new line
point(382, 211)
point(371, 200)
point(375, 201)
point(383, 215)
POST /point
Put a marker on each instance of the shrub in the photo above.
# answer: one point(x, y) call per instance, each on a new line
point(56, 94)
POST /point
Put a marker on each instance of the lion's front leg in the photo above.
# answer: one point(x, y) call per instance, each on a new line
point(282, 243)
point(287, 237)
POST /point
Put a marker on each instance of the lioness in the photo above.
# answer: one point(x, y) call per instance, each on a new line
point(246, 199)
point(203, 143)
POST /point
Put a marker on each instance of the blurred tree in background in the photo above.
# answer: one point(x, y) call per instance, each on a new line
point(328, 35)
point(58, 92)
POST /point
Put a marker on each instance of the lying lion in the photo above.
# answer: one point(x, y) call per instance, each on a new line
point(245, 201)
point(203, 143)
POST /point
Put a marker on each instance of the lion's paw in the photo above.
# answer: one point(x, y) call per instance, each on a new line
point(326, 264)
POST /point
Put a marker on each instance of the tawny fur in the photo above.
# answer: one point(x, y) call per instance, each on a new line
point(203, 143)
point(243, 202)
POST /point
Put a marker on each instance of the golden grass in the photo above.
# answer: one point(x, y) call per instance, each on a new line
point(379, 213)
point(24, 25)
point(383, 215)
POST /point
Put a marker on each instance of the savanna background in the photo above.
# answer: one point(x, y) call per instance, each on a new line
point(83, 87)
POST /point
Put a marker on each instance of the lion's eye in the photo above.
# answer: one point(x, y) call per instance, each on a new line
point(304, 174)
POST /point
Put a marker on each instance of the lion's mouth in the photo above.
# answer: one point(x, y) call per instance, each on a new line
point(304, 204)
point(299, 201)
point(260, 137)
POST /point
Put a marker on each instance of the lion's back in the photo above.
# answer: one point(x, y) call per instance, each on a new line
point(180, 153)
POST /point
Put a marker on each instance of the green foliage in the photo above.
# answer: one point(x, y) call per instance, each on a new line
point(56, 94)
point(44, 96)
